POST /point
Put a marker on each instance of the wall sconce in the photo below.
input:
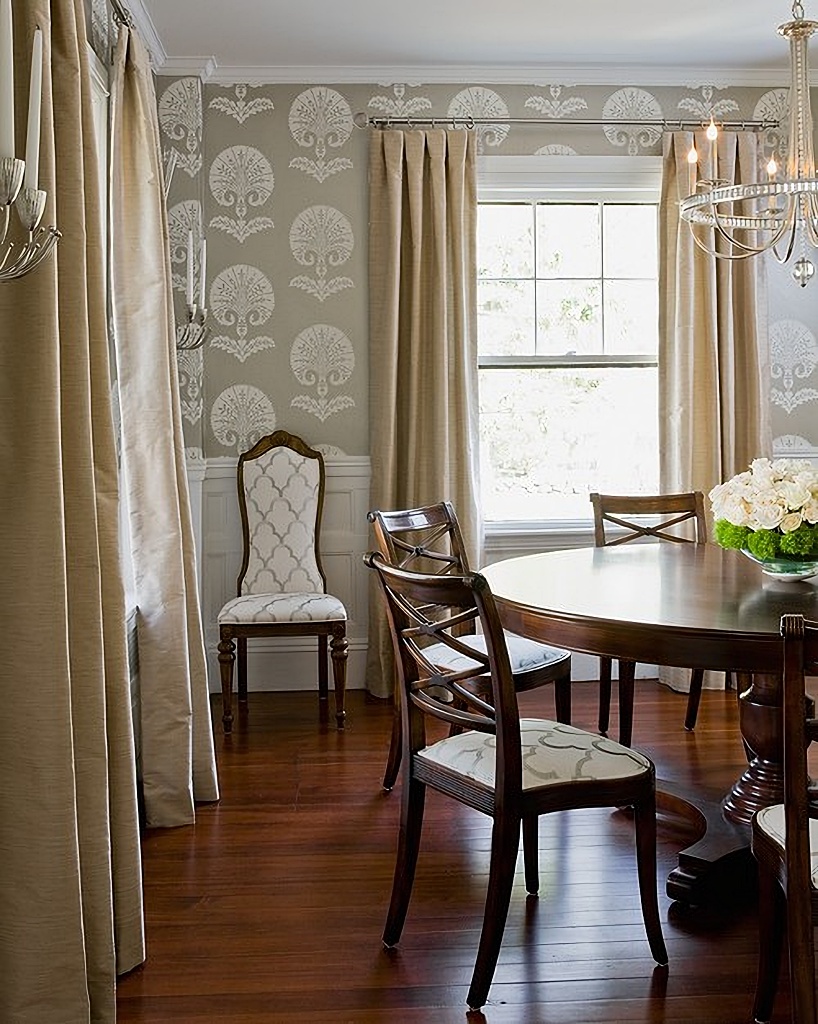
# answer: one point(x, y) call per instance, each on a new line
point(192, 334)
point(18, 178)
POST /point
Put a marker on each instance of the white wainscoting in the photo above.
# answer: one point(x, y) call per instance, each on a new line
point(291, 663)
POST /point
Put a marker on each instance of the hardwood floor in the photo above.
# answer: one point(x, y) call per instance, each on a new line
point(270, 909)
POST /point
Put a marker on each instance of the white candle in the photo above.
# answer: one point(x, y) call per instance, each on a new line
point(6, 81)
point(34, 100)
point(189, 294)
point(203, 270)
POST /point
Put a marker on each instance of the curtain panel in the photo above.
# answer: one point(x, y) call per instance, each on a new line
point(423, 339)
point(713, 348)
point(177, 761)
point(70, 872)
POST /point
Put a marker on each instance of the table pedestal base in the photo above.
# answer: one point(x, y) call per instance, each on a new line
point(718, 861)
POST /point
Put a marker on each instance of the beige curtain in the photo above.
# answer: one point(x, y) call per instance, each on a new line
point(423, 338)
point(713, 359)
point(70, 888)
point(177, 757)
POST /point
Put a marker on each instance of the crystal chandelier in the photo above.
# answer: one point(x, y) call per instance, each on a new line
point(780, 214)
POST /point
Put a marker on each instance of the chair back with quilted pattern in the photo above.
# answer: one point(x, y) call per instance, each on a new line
point(281, 496)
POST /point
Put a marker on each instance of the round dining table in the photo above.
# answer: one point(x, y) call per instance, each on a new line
point(680, 605)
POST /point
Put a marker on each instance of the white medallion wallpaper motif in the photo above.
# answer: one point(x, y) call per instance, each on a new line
point(321, 239)
point(275, 178)
point(793, 361)
point(242, 180)
point(180, 118)
point(242, 299)
point(238, 106)
point(322, 356)
point(321, 118)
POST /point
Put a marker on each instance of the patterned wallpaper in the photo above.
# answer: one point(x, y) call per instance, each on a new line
point(275, 178)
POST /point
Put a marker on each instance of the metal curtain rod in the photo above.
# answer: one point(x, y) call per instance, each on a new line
point(363, 120)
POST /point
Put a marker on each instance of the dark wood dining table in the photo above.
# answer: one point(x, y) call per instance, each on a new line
point(681, 605)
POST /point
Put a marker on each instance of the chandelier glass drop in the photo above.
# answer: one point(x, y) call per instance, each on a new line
point(780, 214)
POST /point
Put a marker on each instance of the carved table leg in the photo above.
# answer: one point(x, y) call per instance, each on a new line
point(760, 719)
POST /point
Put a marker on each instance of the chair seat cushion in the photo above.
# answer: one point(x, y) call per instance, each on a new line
point(552, 753)
point(523, 654)
point(294, 607)
point(771, 821)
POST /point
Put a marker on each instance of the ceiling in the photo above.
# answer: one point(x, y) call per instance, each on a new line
point(666, 41)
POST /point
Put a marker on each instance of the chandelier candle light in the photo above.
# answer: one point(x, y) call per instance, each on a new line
point(781, 213)
point(19, 178)
point(770, 513)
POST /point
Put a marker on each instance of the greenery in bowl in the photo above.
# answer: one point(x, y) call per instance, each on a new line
point(770, 510)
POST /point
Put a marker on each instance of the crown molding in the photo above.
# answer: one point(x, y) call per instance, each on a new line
point(617, 75)
point(190, 67)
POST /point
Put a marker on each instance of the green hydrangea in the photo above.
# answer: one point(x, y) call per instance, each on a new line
point(801, 543)
point(729, 536)
point(764, 543)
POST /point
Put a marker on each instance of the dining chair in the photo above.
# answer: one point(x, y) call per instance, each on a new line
point(429, 539)
point(512, 769)
point(281, 586)
point(785, 841)
point(621, 519)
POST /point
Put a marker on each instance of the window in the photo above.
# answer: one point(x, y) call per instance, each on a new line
point(568, 332)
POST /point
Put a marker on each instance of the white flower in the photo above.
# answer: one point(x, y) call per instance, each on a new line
point(790, 522)
point(770, 495)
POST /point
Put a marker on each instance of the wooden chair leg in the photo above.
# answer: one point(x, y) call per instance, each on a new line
point(505, 843)
point(339, 651)
point(241, 669)
point(627, 671)
point(694, 698)
point(645, 827)
point(800, 935)
point(413, 801)
point(323, 676)
point(227, 657)
point(562, 698)
point(531, 853)
point(771, 924)
point(605, 671)
point(390, 776)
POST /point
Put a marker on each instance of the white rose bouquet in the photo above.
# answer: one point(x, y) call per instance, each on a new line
point(770, 510)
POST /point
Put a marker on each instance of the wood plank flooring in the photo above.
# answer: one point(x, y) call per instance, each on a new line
point(270, 909)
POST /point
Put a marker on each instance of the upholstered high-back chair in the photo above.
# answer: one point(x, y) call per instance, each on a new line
point(785, 841)
point(281, 586)
point(512, 769)
point(621, 519)
point(429, 540)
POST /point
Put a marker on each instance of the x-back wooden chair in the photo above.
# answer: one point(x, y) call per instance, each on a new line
point(511, 769)
point(621, 519)
point(785, 841)
point(429, 540)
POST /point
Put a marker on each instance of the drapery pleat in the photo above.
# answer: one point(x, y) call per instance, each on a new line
point(423, 339)
point(713, 350)
point(177, 756)
point(70, 885)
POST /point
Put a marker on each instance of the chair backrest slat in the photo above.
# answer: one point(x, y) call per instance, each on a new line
point(281, 482)
point(426, 540)
point(425, 609)
point(651, 516)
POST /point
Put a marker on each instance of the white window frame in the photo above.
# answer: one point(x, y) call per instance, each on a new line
point(571, 179)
